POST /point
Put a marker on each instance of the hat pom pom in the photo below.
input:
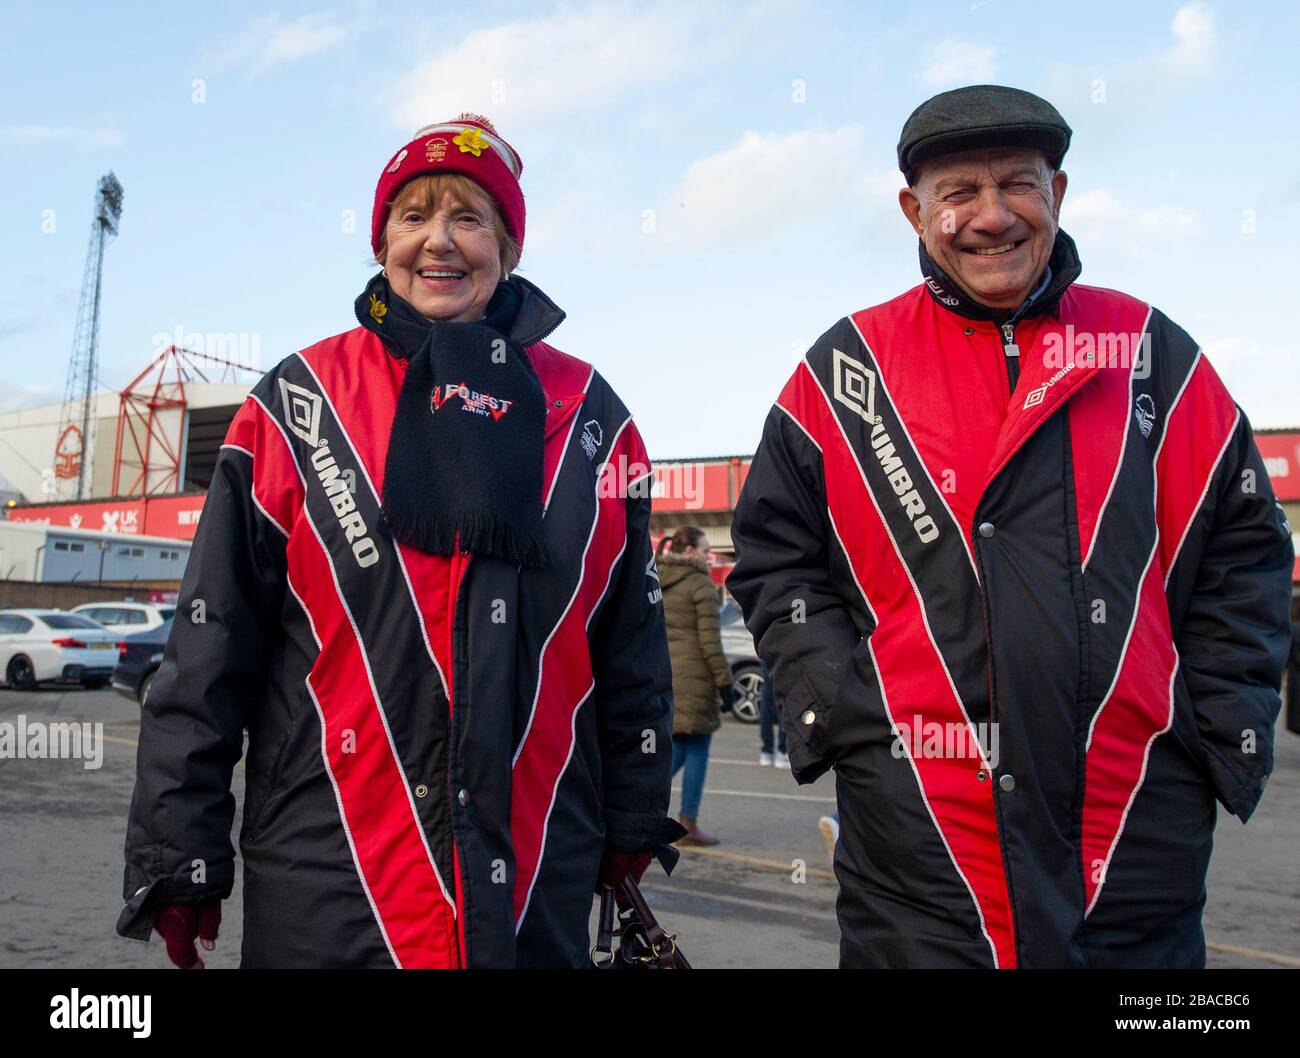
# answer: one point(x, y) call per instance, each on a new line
point(467, 116)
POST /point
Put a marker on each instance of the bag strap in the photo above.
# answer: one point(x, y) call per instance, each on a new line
point(661, 944)
point(602, 955)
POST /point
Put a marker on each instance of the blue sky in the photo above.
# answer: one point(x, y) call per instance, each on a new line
point(710, 185)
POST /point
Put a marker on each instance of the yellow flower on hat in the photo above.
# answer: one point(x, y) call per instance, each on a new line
point(470, 141)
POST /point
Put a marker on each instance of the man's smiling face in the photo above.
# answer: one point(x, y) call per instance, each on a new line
point(988, 218)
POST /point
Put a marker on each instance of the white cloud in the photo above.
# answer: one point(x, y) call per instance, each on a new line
point(267, 41)
point(1195, 38)
point(1147, 80)
point(53, 134)
point(953, 61)
point(558, 63)
point(764, 182)
point(1098, 214)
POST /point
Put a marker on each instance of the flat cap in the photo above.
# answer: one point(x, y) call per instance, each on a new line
point(982, 115)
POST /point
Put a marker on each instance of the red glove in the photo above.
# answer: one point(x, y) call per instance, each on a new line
point(178, 924)
point(615, 866)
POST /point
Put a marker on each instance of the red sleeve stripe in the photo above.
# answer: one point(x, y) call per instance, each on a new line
point(252, 495)
point(277, 489)
point(392, 855)
point(563, 686)
point(1187, 466)
point(960, 805)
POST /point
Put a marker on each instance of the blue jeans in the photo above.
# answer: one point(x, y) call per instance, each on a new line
point(768, 716)
point(693, 752)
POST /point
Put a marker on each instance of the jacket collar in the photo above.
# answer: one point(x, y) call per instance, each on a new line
point(535, 318)
point(1064, 266)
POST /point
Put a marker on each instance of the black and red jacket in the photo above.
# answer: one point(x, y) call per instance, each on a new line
point(439, 748)
point(953, 522)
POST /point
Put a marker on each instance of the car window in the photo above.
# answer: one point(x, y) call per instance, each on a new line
point(22, 625)
point(135, 617)
point(165, 612)
point(8, 625)
point(67, 620)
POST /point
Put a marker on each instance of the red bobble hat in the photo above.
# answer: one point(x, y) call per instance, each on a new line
point(470, 146)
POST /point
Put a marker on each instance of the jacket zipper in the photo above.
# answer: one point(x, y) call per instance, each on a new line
point(1012, 352)
point(459, 563)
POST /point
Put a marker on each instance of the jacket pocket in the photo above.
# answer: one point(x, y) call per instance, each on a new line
point(267, 789)
point(807, 720)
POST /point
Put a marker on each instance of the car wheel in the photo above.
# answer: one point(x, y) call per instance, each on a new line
point(145, 684)
point(20, 674)
point(749, 680)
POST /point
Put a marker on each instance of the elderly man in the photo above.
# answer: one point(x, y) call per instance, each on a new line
point(1011, 555)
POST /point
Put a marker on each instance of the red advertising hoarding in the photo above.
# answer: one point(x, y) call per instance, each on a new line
point(173, 517)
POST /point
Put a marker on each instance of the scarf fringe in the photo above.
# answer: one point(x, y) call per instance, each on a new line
point(478, 532)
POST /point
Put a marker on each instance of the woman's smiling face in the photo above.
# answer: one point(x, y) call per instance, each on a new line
point(444, 256)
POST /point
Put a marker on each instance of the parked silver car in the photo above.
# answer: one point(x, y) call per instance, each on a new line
point(743, 658)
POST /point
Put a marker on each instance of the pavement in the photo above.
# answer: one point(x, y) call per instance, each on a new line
point(765, 897)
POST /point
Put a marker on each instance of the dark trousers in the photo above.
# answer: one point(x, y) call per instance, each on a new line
point(768, 717)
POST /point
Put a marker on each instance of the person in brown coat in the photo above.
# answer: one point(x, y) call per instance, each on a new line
point(700, 671)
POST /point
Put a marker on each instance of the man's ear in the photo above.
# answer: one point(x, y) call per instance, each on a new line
point(1059, 180)
point(910, 204)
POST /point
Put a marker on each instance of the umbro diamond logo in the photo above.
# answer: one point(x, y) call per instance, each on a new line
point(302, 411)
point(855, 386)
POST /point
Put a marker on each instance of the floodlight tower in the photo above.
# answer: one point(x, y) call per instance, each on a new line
point(72, 448)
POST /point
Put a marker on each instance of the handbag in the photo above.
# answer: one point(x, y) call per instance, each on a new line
point(642, 942)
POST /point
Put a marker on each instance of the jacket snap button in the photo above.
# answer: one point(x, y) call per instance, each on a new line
point(809, 717)
point(1007, 783)
point(970, 330)
point(559, 404)
point(463, 798)
point(986, 529)
point(421, 791)
point(980, 776)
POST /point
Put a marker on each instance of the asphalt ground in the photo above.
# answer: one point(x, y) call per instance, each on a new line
point(765, 897)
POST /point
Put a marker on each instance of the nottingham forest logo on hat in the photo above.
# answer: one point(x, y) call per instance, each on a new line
point(435, 150)
point(471, 400)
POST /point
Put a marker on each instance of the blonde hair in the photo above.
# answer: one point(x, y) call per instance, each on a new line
point(428, 190)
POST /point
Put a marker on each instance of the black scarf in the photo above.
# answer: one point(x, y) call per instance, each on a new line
point(464, 465)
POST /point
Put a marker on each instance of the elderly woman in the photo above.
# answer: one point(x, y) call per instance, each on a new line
point(423, 583)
